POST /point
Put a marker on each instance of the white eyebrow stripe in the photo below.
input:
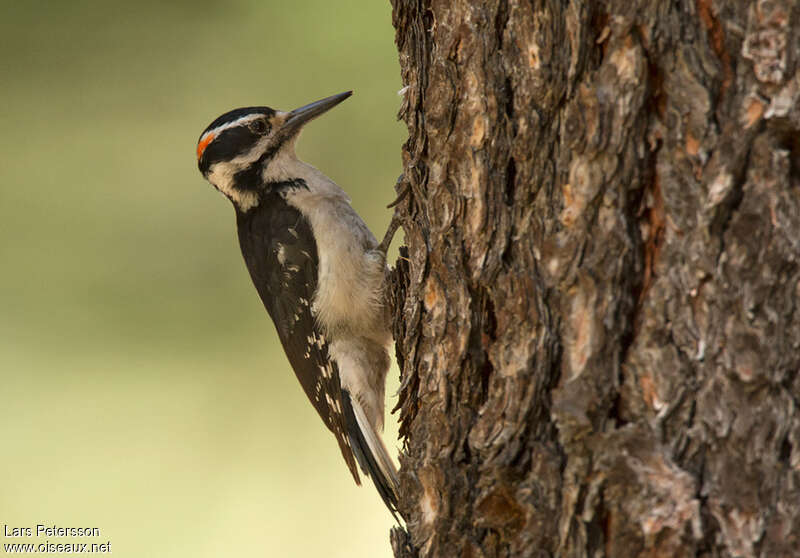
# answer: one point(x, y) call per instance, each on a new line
point(222, 127)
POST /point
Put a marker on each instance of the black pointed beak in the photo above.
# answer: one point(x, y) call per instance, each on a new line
point(300, 116)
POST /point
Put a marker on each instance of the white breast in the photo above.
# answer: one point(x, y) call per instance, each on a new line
point(351, 271)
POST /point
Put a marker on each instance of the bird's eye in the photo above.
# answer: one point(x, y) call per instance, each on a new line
point(259, 127)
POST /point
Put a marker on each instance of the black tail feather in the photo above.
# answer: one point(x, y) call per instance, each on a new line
point(365, 458)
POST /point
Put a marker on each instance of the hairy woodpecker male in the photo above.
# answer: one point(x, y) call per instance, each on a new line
point(318, 271)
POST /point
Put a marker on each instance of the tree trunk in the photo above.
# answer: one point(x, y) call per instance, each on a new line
point(598, 319)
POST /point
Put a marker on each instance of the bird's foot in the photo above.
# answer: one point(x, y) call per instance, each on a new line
point(395, 222)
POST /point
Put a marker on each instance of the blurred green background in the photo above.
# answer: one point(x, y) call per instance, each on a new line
point(143, 390)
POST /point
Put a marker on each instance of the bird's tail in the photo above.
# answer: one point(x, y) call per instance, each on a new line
point(370, 452)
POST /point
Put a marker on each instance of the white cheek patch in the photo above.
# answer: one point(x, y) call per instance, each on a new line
point(222, 175)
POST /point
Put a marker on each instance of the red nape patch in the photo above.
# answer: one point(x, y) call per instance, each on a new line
point(201, 146)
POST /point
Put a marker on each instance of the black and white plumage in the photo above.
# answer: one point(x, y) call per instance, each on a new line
point(318, 271)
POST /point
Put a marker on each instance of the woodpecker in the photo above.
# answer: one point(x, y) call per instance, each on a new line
point(318, 270)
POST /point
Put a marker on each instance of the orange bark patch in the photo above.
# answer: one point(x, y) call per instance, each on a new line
point(478, 131)
point(533, 56)
point(569, 213)
point(692, 144)
point(753, 112)
point(432, 295)
point(716, 37)
point(648, 388)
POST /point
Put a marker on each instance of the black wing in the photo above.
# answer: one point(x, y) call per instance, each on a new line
point(279, 249)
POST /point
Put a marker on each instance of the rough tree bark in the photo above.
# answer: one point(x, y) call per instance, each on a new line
point(598, 319)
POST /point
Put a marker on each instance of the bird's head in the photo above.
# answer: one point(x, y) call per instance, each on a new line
point(246, 150)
